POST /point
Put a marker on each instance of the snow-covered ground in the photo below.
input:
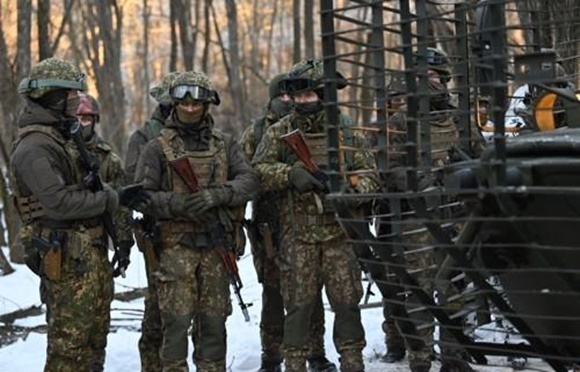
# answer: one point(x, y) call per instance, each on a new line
point(20, 290)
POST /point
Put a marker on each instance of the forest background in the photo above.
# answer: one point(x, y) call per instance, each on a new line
point(126, 46)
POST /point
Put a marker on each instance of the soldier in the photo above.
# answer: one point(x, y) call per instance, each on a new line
point(151, 333)
point(265, 245)
point(313, 249)
point(444, 137)
point(64, 217)
point(194, 227)
point(394, 341)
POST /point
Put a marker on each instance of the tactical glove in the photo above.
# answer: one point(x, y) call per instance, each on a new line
point(112, 198)
point(134, 197)
point(303, 181)
point(122, 260)
point(180, 206)
point(205, 200)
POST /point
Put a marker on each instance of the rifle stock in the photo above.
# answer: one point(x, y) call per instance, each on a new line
point(184, 170)
point(95, 183)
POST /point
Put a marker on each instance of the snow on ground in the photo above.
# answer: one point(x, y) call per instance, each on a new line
point(20, 290)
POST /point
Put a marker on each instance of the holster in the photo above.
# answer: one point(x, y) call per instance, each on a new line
point(146, 243)
point(51, 253)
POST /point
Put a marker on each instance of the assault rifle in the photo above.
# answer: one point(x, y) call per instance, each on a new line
point(184, 170)
point(295, 141)
point(94, 182)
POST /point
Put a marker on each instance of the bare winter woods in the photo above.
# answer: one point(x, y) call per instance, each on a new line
point(126, 46)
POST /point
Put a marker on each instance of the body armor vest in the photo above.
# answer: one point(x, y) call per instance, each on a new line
point(210, 166)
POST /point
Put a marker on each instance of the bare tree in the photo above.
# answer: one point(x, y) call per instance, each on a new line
point(42, 21)
point(309, 28)
point(236, 87)
point(207, 34)
point(296, 55)
point(183, 13)
point(173, 26)
point(146, 78)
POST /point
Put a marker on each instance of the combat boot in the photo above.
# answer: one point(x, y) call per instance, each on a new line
point(321, 364)
point(270, 366)
point(393, 355)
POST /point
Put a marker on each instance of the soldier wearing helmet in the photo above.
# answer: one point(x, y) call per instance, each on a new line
point(192, 226)
point(265, 240)
point(58, 211)
point(313, 250)
point(151, 334)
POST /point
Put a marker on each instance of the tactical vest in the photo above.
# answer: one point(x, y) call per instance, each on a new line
point(29, 207)
point(210, 167)
point(444, 136)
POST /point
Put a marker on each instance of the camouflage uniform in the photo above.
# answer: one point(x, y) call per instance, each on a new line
point(191, 280)
point(266, 220)
point(443, 136)
point(57, 209)
point(151, 333)
point(313, 248)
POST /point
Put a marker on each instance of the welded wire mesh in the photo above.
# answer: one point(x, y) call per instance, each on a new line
point(472, 113)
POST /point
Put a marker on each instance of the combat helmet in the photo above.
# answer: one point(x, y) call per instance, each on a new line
point(161, 92)
point(88, 105)
point(307, 75)
point(275, 89)
point(397, 85)
point(51, 74)
point(195, 84)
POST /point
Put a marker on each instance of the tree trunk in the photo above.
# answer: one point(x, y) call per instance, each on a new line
point(172, 25)
point(146, 78)
point(309, 29)
point(43, 20)
point(236, 87)
point(183, 8)
point(296, 53)
point(207, 34)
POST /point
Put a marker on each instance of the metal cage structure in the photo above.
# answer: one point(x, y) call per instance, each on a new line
point(475, 222)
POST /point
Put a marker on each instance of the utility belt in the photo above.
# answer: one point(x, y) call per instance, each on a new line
point(314, 220)
point(48, 247)
point(195, 235)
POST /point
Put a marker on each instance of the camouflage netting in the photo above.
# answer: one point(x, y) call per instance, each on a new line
point(473, 115)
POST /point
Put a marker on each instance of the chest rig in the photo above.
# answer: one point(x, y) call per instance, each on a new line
point(210, 166)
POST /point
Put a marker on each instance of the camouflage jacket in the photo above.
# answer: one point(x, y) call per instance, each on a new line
point(139, 139)
point(111, 171)
point(265, 208)
point(274, 160)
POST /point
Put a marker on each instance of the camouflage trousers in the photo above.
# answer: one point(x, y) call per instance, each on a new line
point(391, 307)
point(151, 332)
point(305, 268)
point(272, 315)
point(193, 287)
point(78, 306)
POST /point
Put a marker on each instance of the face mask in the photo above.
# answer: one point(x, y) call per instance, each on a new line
point(72, 103)
point(281, 108)
point(308, 108)
point(88, 132)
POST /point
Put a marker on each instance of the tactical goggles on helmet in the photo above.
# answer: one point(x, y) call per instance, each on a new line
point(435, 58)
point(196, 92)
point(297, 85)
point(27, 85)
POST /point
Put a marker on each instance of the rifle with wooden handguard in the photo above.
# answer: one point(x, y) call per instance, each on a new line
point(185, 171)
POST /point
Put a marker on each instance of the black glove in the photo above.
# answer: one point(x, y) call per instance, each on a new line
point(134, 197)
point(205, 200)
point(303, 181)
point(121, 259)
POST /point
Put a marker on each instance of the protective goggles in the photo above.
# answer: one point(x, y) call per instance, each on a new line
point(296, 85)
point(195, 92)
point(435, 59)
